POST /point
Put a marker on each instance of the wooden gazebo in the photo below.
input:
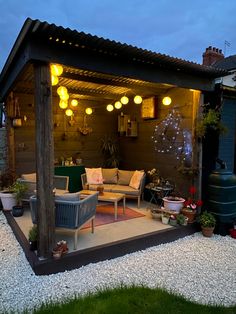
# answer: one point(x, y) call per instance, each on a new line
point(95, 69)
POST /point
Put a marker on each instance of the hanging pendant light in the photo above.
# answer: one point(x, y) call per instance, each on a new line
point(56, 69)
point(166, 101)
point(64, 96)
point(74, 102)
point(69, 112)
point(62, 90)
point(63, 104)
point(110, 108)
point(124, 100)
point(54, 80)
point(118, 105)
point(138, 99)
point(89, 110)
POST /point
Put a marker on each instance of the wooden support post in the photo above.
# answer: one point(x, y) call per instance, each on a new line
point(44, 159)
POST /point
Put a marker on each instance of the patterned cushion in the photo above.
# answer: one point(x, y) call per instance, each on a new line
point(136, 179)
point(94, 175)
point(124, 177)
point(110, 175)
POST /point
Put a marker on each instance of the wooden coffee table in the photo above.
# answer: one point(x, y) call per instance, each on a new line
point(107, 197)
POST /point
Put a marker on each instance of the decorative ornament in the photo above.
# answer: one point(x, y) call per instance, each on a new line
point(85, 129)
point(169, 138)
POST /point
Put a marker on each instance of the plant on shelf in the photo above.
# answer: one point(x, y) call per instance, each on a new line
point(207, 222)
point(33, 237)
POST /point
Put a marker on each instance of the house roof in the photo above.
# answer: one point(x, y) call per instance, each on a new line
point(94, 59)
point(228, 63)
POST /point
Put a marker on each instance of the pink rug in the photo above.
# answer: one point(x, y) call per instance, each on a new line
point(105, 214)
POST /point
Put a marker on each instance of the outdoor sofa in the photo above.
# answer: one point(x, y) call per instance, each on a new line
point(131, 183)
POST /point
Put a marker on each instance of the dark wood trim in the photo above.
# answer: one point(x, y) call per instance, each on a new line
point(44, 158)
point(100, 253)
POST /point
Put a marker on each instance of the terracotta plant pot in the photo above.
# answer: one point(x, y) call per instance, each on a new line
point(207, 231)
point(190, 214)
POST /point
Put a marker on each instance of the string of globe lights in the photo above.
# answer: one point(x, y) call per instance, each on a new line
point(169, 138)
point(124, 101)
point(56, 71)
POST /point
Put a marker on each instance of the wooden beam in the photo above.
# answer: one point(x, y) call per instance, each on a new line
point(44, 159)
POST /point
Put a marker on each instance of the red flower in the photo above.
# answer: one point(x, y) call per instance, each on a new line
point(199, 203)
point(192, 190)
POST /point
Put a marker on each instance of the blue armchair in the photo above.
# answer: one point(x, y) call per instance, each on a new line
point(70, 214)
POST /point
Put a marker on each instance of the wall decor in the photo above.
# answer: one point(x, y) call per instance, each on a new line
point(149, 108)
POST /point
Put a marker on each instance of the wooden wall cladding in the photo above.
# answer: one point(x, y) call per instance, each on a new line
point(136, 153)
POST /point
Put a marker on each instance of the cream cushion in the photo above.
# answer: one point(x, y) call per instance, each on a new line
point(94, 175)
point(68, 197)
point(124, 176)
point(110, 175)
point(29, 176)
point(136, 179)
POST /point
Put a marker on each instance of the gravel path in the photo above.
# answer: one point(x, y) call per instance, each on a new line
point(201, 269)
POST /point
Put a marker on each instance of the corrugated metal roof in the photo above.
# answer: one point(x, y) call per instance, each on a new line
point(75, 39)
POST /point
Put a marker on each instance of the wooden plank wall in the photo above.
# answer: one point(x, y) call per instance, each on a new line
point(136, 153)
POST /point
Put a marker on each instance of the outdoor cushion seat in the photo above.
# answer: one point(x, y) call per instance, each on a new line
point(72, 215)
point(61, 184)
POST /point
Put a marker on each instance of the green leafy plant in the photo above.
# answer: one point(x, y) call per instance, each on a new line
point(33, 234)
point(210, 120)
point(207, 220)
point(180, 219)
point(110, 150)
point(19, 188)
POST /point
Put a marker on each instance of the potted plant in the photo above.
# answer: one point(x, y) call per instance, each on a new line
point(191, 205)
point(18, 188)
point(165, 217)
point(7, 196)
point(207, 222)
point(33, 238)
point(173, 203)
point(173, 220)
point(182, 220)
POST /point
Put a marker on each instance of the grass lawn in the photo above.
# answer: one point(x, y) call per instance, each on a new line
point(135, 300)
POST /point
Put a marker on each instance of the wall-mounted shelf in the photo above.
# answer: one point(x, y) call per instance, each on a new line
point(126, 126)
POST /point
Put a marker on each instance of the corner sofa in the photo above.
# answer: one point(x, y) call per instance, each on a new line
point(116, 181)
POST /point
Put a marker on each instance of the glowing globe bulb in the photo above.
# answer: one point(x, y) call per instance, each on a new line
point(63, 104)
point(124, 100)
point(69, 112)
point(56, 69)
point(110, 108)
point(62, 90)
point(138, 99)
point(74, 102)
point(54, 80)
point(64, 96)
point(166, 101)
point(89, 110)
point(118, 104)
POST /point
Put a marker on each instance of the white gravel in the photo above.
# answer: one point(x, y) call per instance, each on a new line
point(201, 269)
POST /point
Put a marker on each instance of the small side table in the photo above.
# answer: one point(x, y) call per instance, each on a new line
point(158, 191)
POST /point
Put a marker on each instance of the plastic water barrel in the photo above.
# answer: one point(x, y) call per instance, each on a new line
point(222, 199)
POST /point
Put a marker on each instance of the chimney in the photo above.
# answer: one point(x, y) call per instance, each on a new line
point(212, 55)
